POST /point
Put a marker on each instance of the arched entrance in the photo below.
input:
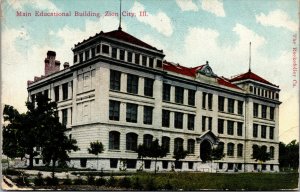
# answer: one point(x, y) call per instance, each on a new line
point(205, 150)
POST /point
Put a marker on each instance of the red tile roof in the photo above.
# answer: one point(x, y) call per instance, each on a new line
point(250, 75)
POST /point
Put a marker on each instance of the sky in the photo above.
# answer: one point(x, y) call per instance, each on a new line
point(190, 32)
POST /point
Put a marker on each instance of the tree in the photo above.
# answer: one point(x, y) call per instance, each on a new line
point(289, 155)
point(217, 153)
point(156, 151)
point(260, 154)
point(179, 153)
point(96, 148)
point(142, 151)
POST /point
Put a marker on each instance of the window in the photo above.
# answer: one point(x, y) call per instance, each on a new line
point(191, 165)
point(131, 141)
point(151, 62)
point(87, 54)
point(129, 57)
point(131, 163)
point(114, 110)
point(255, 90)
point(230, 105)
point(122, 54)
point(240, 107)
point(230, 125)
point(46, 93)
point(148, 87)
point(75, 58)
point(165, 118)
point(178, 144)
point(64, 116)
point(37, 161)
point(221, 126)
point(272, 149)
point(230, 149)
point(144, 60)
point(240, 150)
point(114, 140)
point(131, 112)
point(204, 100)
point(271, 133)
point(165, 164)
point(147, 140)
point(178, 120)
point(255, 110)
point(65, 91)
point(263, 131)
point(263, 111)
point(165, 142)
point(56, 93)
point(159, 63)
point(147, 164)
point(179, 95)
point(210, 101)
point(132, 83)
point(255, 130)
point(98, 49)
point(263, 167)
point(272, 167)
point(113, 163)
point(191, 121)
point(33, 99)
point(178, 164)
point(230, 166)
point(240, 129)
point(220, 165)
point(137, 59)
point(251, 89)
point(191, 146)
point(239, 166)
point(114, 52)
point(115, 80)
point(209, 123)
point(93, 52)
point(148, 115)
point(203, 123)
point(166, 92)
point(191, 97)
point(221, 103)
point(81, 57)
point(221, 146)
point(83, 162)
point(272, 109)
point(255, 166)
point(105, 49)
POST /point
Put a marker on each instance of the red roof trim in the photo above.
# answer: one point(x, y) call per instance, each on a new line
point(253, 76)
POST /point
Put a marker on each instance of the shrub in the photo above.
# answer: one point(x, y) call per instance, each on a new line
point(22, 180)
point(125, 182)
point(111, 182)
point(100, 181)
point(168, 186)
point(51, 181)
point(79, 181)
point(150, 185)
point(91, 180)
point(67, 181)
point(39, 181)
point(11, 172)
point(137, 184)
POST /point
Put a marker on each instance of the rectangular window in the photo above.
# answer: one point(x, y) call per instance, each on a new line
point(221, 103)
point(221, 126)
point(137, 59)
point(46, 93)
point(113, 163)
point(64, 116)
point(230, 125)
point(56, 93)
point(272, 109)
point(165, 164)
point(131, 163)
point(115, 80)
point(240, 107)
point(114, 110)
point(148, 87)
point(131, 112)
point(220, 165)
point(129, 57)
point(255, 110)
point(122, 54)
point(159, 63)
point(240, 129)
point(230, 105)
point(166, 92)
point(263, 111)
point(80, 57)
point(144, 60)
point(87, 54)
point(210, 101)
point(204, 100)
point(147, 164)
point(65, 91)
point(75, 58)
point(98, 49)
point(132, 83)
point(148, 115)
point(263, 131)
point(203, 123)
point(165, 118)
point(230, 166)
point(179, 95)
point(255, 130)
point(271, 134)
point(114, 52)
point(191, 97)
point(191, 165)
point(178, 120)
point(105, 49)
point(151, 62)
point(93, 52)
point(209, 123)
point(83, 162)
point(191, 121)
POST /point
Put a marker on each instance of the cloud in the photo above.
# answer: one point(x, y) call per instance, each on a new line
point(214, 7)
point(277, 18)
point(160, 22)
point(37, 4)
point(187, 5)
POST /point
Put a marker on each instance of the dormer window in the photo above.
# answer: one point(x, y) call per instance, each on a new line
point(105, 49)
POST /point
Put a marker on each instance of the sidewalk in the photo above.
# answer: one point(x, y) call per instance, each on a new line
point(9, 185)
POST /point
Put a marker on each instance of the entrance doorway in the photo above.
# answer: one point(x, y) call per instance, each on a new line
point(205, 150)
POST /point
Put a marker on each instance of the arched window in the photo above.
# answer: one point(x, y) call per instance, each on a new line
point(191, 146)
point(114, 140)
point(240, 150)
point(165, 141)
point(131, 141)
point(272, 151)
point(178, 144)
point(264, 148)
point(230, 149)
point(221, 146)
point(148, 140)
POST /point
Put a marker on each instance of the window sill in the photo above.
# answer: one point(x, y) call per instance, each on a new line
point(114, 150)
point(130, 151)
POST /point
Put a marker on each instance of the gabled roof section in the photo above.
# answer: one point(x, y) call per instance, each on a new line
point(252, 76)
point(210, 136)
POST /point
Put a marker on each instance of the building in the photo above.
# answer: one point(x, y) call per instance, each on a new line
point(122, 92)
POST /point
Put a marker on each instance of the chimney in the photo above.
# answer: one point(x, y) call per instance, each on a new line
point(51, 65)
point(66, 65)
